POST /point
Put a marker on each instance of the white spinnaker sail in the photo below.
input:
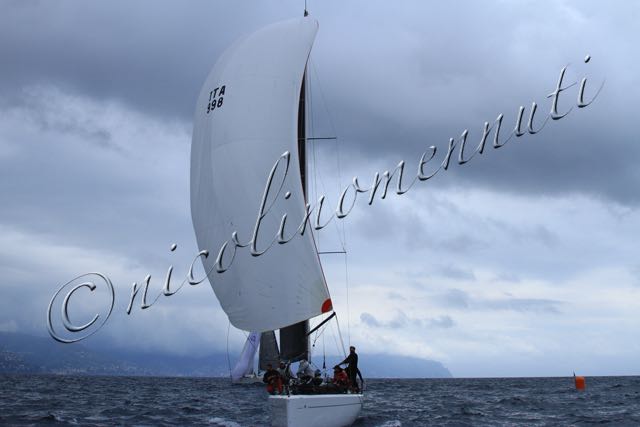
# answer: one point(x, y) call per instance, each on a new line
point(238, 136)
point(244, 366)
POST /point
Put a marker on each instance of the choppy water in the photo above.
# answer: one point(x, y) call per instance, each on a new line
point(40, 399)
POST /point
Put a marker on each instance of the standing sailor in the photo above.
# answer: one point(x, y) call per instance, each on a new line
point(352, 369)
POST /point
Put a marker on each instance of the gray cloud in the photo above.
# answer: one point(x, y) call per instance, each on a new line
point(456, 298)
point(558, 160)
point(445, 322)
point(395, 296)
point(380, 111)
point(401, 320)
point(635, 272)
point(536, 305)
point(507, 277)
point(369, 320)
point(152, 57)
point(455, 272)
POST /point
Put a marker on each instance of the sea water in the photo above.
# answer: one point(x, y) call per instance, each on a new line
point(82, 400)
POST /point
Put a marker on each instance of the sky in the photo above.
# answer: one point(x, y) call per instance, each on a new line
point(521, 262)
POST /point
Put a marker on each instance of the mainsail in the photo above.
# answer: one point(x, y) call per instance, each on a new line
point(246, 118)
point(269, 354)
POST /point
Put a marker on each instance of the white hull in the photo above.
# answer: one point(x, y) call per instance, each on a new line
point(319, 410)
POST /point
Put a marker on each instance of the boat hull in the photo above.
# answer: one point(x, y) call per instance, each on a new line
point(316, 410)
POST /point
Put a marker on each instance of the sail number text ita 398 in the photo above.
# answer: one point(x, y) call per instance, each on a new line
point(216, 98)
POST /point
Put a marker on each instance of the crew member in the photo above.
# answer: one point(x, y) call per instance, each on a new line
point(340, 377)
point(317, 378)
point(352, 368)
point(305, 373)
point(273, 380)
point(285, 372)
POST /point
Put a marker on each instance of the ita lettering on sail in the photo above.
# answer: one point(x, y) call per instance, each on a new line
point(216, 98)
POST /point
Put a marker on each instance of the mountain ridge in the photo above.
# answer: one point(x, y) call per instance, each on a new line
point(21, 353)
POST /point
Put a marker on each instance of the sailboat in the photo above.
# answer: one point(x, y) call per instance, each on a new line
point(244, 371)
point(250, 113)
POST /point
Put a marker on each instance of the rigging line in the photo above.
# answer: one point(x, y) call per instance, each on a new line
point(334, 338)
point(339, 233)
point(324, 354)
point(324, 102)
point(333, 130)
point(318, 335)
point(318, 178)
point(322, 323)
point(341, 236)
point(346, 279)
point(228, 358)
point(344, 351)
point(324, 328)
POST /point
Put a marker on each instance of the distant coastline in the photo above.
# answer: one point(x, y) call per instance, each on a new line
point(26, 354)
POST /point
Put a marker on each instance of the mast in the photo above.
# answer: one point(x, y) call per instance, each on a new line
point(294, 341)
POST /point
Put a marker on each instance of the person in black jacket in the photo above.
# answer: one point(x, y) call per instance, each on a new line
point(352, 368)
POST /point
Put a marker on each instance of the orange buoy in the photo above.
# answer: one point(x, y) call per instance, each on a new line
point(580, 382)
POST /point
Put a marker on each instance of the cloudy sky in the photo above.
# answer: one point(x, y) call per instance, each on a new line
point(523, 261)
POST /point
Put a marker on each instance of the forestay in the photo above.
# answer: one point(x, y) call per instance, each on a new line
point(245, 119)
